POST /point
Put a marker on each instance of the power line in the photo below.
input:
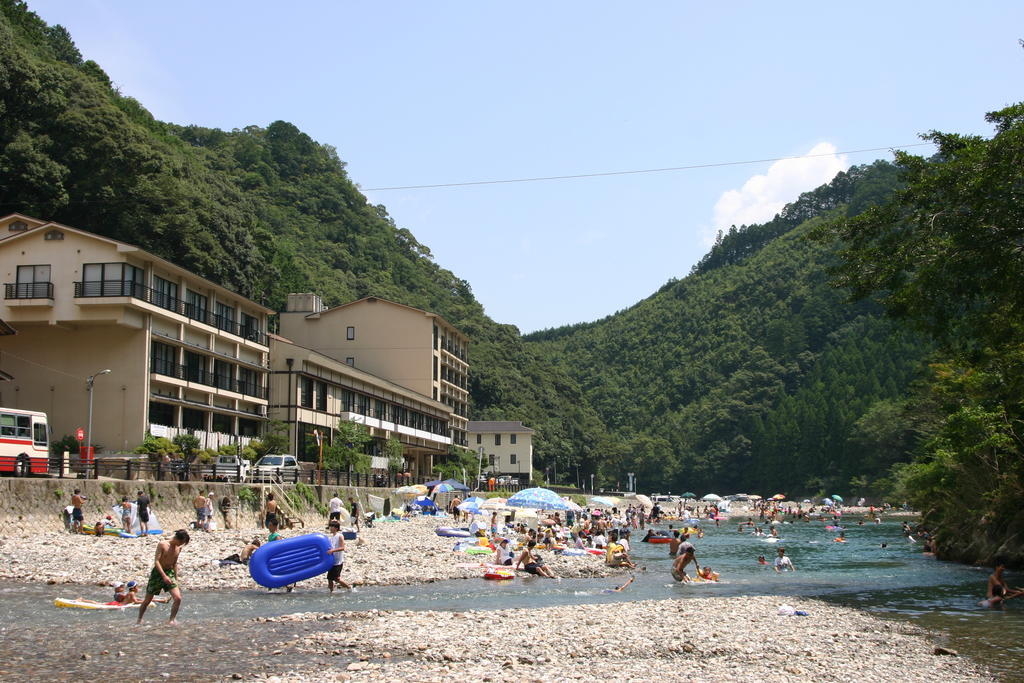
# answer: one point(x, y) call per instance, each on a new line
point(634, 172)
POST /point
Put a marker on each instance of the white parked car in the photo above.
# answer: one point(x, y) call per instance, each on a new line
point(276, 468)
point(231, 468)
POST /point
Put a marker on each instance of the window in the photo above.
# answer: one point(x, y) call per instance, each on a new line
point(321, 396)
point(53, 235)
point(248, 427)
point(305, 392)
point(225, 318)
point(161, 414)
point(195, 368)
point(15, 425)
point(437, 344)
point(165, 293)
point(435, 368)
point(223, 375)
point(247, 382)
point(512, 439)
point(18, 226)
point(33, 283)
point(512, 459)
point(112, 279)
point(222, 423)
point(435, 393)
point(195, 305)
point(193, 419)
point(39, 436)
point(479, 438)
point(350, 333)
point(493, 459)
point(497, 439)
point(251, 328)
point(163, 359)
point(350, 361)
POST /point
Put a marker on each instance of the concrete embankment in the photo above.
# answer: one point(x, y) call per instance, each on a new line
point(34, 505)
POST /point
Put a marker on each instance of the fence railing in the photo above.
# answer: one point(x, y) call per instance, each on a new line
point(137, 290)
point(180, 470)
point(28, 290)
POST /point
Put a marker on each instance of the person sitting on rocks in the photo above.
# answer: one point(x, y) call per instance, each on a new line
point(532, 562)
point(616, 555)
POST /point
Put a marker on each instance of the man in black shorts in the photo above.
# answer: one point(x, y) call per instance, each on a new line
point(338, 550)
point(142, 508)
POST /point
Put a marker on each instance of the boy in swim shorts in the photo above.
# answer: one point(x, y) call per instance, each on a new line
point(164, 576)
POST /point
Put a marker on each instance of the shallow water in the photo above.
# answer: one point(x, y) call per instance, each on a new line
point(895, 582)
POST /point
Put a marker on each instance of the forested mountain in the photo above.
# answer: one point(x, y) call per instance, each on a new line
point(265, 211)
point(750, 373)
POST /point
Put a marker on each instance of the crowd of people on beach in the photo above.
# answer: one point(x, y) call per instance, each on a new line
point(516, 545)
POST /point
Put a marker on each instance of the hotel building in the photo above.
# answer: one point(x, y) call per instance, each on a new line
point(312, 391)
point(506, 448)
point(410, 347)
point(184, 354)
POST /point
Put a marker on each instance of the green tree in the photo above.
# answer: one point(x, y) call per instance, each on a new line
point(393, 451)
point(347, 449)
point(945, 255)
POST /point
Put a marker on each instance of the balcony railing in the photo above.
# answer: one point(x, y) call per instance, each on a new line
point(28, 290)
point(137, 290)
point(191, 373)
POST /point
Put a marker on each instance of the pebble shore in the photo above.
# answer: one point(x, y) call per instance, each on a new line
point(721, 639)
point(390, 553)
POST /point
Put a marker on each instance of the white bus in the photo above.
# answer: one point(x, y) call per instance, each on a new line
point(24, 442)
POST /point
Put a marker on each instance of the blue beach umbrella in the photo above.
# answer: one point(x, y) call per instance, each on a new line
point(455, 484)
point(472, 505)
point(424, 502)
point(444, 487)
point(537, 499)
point(839, 498)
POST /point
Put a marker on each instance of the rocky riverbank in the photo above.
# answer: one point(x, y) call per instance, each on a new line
point(724, 639)
point(388, 554)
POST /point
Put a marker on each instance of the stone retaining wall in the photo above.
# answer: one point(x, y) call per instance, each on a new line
point(34, 505)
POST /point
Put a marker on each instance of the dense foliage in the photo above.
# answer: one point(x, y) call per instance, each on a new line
point(947, 256)
point(750, 373)
point(265, 211)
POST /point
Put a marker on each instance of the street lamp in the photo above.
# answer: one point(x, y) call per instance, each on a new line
point(591, 484)
point(88, 383)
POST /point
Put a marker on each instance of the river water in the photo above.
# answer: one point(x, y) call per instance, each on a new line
point(895, 581)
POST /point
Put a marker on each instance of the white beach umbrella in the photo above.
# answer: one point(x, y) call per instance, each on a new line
point(644, 500)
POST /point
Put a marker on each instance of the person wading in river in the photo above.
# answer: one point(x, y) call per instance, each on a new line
point(164, 577)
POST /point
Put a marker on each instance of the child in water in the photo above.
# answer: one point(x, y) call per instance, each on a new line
point(706, 574)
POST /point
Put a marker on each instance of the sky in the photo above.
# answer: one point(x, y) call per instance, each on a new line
point(424, 93)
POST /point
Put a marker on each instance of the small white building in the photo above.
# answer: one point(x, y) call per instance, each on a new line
point(506, 447)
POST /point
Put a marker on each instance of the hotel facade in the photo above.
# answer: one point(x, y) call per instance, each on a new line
point(504, 447)
point(311, 391)
point(184, 354)
point(410, 347)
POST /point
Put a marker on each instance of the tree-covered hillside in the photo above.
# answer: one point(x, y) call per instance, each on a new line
point(265, 211)
point(752, 372)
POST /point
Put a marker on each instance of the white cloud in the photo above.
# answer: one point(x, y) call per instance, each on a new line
point(764, 195)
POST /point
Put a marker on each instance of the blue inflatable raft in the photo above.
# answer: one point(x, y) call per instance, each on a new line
point(288, 560)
